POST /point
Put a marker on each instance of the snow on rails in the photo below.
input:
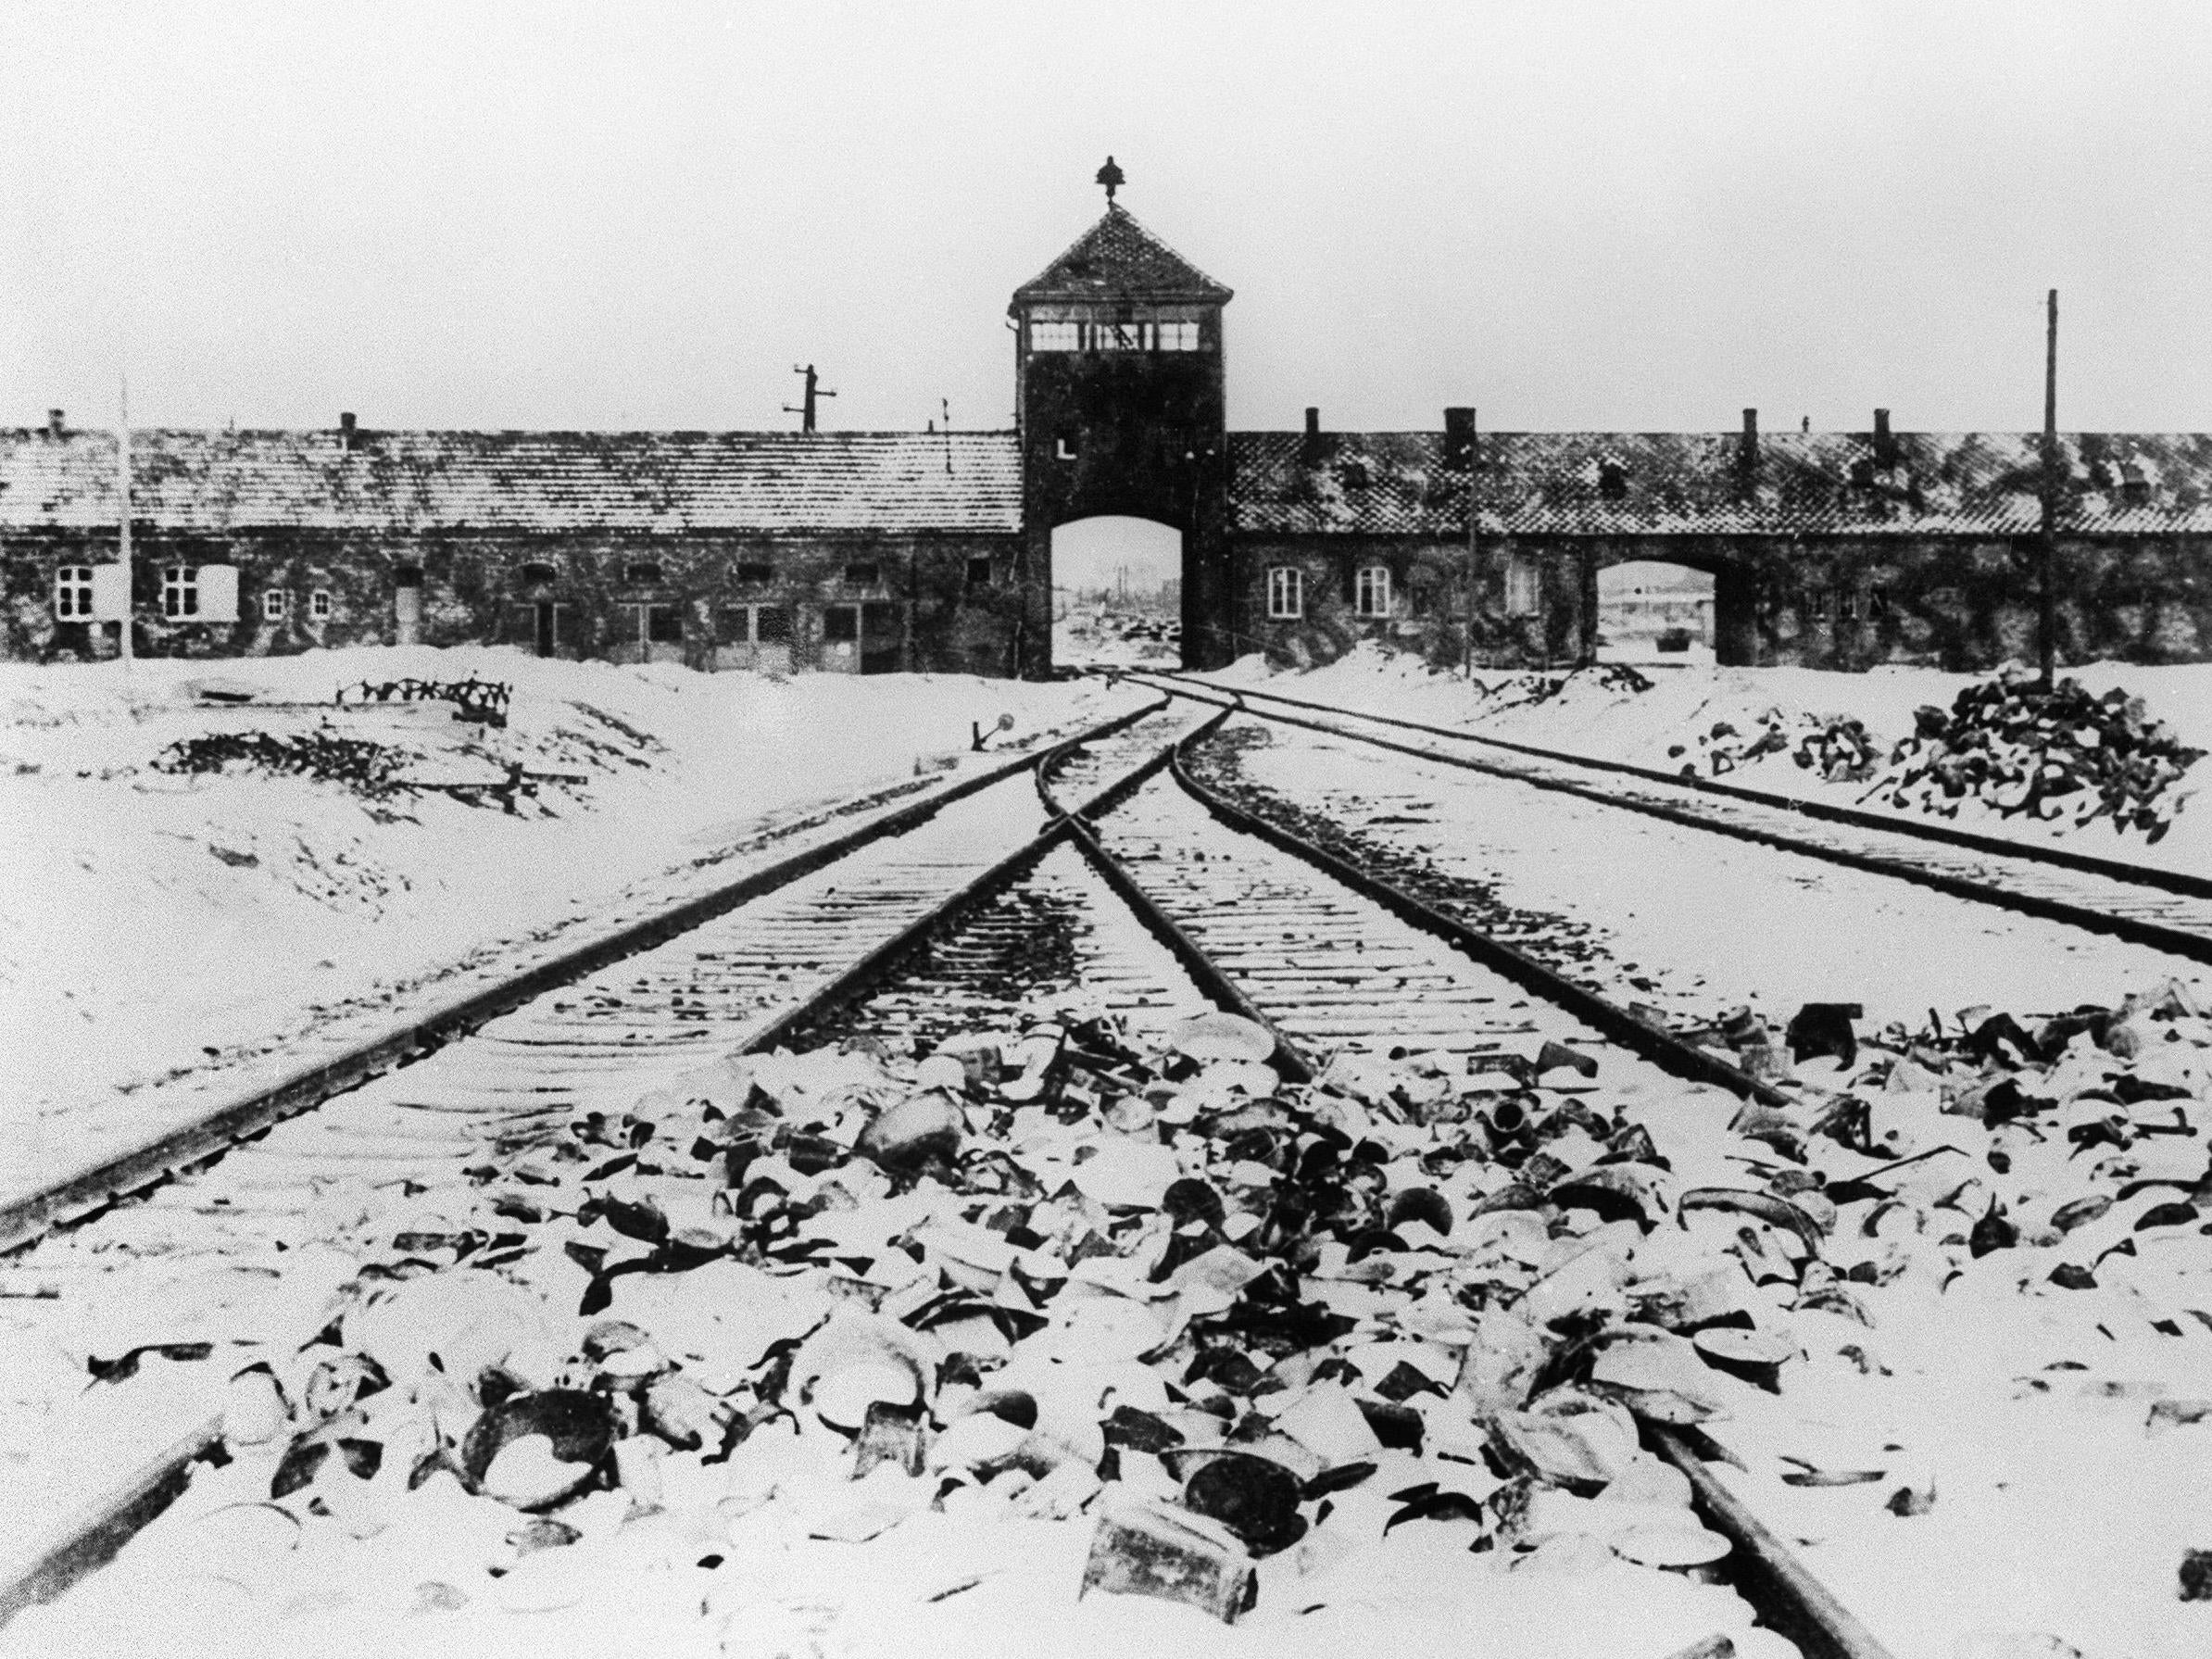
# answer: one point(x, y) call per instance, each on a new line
point(1150, 1202)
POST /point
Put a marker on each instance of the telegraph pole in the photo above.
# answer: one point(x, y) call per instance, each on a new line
point(2047, 623)
point(806, 412)
point(123, 477)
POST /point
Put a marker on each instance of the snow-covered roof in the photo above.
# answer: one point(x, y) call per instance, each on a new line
point(1116, 259)
point(1282, 482)
point(1694, 484)
point(420, 481)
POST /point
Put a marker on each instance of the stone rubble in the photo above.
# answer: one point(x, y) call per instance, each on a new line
point(1100, 1317)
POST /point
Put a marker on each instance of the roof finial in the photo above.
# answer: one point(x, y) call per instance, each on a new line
point(1110, 176)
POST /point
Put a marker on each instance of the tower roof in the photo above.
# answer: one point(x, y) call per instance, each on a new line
point(1118, 258)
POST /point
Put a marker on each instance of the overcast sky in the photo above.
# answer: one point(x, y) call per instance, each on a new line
point(642, 215)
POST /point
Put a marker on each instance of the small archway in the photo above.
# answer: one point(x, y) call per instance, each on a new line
point(1652, 612)
point(1117, 586)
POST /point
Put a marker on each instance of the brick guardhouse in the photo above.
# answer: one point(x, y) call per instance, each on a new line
point(894, 551)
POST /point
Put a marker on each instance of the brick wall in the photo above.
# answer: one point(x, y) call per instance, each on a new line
point(924, 610)
point(1960, 603)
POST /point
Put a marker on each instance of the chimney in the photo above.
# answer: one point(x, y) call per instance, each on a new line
point(1750, 440)
point(54, 423)
point(1459, 438)
point(1312, 451)
point(1885, 447)
point(347, 436)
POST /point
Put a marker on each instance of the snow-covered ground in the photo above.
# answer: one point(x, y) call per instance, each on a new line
point(1697, 924)
point(1590, 716)
point(160, 928)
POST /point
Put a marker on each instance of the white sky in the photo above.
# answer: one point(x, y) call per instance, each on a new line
point(635, 214)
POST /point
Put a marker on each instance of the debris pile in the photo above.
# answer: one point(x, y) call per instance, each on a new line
point(2003, 745)
point(365, 767)
point(2061, 754)
point(1269, 1349)
point(1727, 746)
point(485, 701)
point(1839, 748)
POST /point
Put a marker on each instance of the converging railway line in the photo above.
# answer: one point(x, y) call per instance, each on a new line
point(2166, 910)
point(1545, 1153)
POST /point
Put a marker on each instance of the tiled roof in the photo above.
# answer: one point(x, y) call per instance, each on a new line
point(1384, 483)
point(1690, 483)
point(420, 480)
point(1118, 258)
point(1353, 483)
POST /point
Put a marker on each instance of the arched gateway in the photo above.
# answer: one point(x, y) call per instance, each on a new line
point(1122, 409)
point(903, 551)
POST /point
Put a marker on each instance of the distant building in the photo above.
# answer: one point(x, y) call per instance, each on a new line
point(867, 552)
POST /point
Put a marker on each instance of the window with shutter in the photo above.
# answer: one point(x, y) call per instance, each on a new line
point(1523, 588)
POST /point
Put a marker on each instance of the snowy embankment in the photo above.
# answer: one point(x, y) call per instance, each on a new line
point(162, 929)
point(1598, 713)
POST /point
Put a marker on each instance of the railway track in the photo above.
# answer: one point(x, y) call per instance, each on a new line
point(1141, 887)
point(246, 1193)
point(2163, 910)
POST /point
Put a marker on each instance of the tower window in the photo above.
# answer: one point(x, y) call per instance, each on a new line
point(72, 591)
point(180, 590)
point(319, 604)
point(980, 573)
point(863, 574)
point(1131, 336)
point(1286, 593)
point(274, 603)
point(642, 575)
point(541, 573)
point(1371, 591)
point(749, 571)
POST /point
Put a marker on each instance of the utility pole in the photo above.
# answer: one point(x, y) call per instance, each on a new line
point(122, 475)
point(806, 412)
point(2047, 598)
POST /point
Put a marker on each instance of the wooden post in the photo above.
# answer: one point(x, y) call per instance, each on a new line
point(122, 475)
point(2047, 598)
point(1474, 542)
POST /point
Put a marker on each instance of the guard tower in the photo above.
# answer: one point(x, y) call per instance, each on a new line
point(1119, 396)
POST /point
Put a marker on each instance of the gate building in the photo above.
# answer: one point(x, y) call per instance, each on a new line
point(872, 552)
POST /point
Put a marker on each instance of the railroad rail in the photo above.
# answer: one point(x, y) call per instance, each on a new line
point(502, 1066)
point(72, 1198)
point(911, 931)
point(2164, 910)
